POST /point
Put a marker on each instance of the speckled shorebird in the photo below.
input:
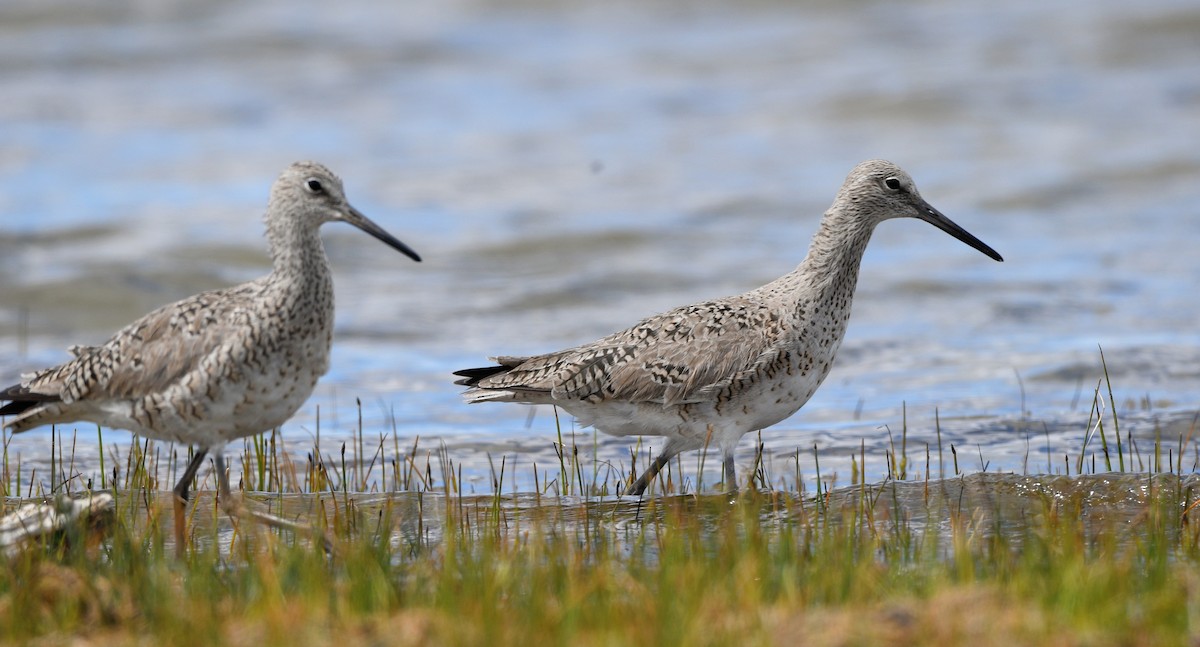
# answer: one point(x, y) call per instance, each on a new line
point(707, 373)
point(220, 365)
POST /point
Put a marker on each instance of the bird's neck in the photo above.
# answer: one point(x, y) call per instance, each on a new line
point(295, 249)
point(830, 270)
point(299, 295)
point(300, 266)
point(821, 288)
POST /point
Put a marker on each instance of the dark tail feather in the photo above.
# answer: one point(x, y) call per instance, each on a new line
point(17, 407)
point(22, 399)
point(472, 376)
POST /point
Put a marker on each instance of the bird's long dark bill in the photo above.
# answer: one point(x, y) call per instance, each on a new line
point(935, 218)
point(366, 224)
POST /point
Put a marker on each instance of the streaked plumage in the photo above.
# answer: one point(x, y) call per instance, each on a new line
point(219, 365)
point(710, 372)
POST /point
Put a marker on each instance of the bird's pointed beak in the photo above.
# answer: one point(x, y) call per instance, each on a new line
point(937, 219)
point(354, 217)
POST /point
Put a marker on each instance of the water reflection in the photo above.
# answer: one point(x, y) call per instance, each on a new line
point(933, 514)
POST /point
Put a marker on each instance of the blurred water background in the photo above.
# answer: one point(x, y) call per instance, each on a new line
point(567, 168)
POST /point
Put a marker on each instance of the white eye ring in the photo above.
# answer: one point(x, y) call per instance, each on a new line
point(314, 185)
point(892, 183)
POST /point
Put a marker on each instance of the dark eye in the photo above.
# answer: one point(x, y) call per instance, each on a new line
point(314, 186)
point(891, 183)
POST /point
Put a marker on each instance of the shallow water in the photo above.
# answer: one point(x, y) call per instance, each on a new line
point(568, 168)
point(934, 512)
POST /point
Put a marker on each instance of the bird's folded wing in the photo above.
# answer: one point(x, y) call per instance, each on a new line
point(684, 355)
point(148, 355)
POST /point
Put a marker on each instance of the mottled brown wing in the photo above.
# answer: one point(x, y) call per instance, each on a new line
point(673, 358)
point(150, 354)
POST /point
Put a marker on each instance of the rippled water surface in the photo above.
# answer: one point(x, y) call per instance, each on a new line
point(936, 512)
point(568, 168)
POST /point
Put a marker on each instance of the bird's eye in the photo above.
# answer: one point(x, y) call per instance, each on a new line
point(314, 186)
point(892, 183)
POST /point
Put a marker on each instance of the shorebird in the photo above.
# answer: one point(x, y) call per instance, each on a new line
point(219, 365)
point(706, 374)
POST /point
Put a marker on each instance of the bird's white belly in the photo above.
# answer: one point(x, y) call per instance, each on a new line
point(216, 405)
point(270, 397)
point(765, 403)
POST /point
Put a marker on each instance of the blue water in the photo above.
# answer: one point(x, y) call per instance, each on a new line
point(568, 168)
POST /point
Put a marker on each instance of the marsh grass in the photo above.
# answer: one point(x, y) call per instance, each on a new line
point(933, 555)
point(893, 563)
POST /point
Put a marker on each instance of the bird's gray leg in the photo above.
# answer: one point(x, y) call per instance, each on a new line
point(731, 485)
point(235, 508)
point(223, 482)
point(639, 486)
point(674, 446)
point(181, 499)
